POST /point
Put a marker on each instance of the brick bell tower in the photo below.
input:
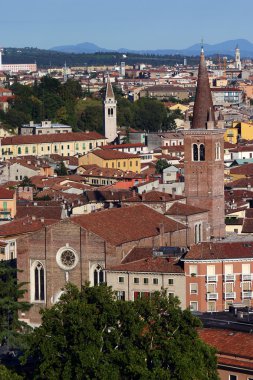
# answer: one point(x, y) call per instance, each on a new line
point(204, 157)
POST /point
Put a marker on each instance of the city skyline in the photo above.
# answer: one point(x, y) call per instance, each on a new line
point(113, 25)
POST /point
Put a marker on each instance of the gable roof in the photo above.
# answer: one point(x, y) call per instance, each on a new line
point(6, 194)
point(220, 251)
point(23, 226)
point(184, 209)
point(109, 154)
point(154, 196)
point(151, 264)
point(51, 138)
point(122, 225)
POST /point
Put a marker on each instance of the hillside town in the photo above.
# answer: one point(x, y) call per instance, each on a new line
point(141, 210)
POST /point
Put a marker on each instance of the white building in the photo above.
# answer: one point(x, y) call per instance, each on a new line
point(110, 113)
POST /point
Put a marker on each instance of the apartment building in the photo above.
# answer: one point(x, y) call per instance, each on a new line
point(219, 274)
point(65, 144)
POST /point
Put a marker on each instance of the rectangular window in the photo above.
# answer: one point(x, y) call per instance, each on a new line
point(34, 149)
point(48, 148)
point(136, 280)
point(121, 279)
point(232, 377)
point(155, 281)
point(77, 146)
point(193, 270)
point(170, 281)
point(194, 288)
point(90, 145)
point(130, 163)
point(67, 146)
point(121, 296)
point(145, 281)
point(26, 149)
point(211, 306)
point(137, 163)
point(211, 288)
point(118, 164)
point(193, 305)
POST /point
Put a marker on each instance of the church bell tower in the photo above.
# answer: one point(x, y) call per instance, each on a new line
point(204, 157)
point(110, 115)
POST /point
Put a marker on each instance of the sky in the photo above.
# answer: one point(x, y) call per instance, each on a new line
point(132, 24)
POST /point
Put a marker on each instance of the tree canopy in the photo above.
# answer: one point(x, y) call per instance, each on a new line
point(89, 334)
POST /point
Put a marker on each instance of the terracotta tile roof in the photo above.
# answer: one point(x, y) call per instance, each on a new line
point(234, 194)
point(6, 194)
point(47, 212)
point(242, 183)
point(99, 195)
point(113, 154)
point(138, 253)
point(110, 173)
point(238, 345)
point(228, 145)
point(151, 264)
point(247, 226)
point(23, 226)
point(242, 148)
point(124, 146)
point(249, 213)
point(51, 138)
point(220, 251)
point(184, 209)
point(246, 169)
point(122, 225)
point(154, 196)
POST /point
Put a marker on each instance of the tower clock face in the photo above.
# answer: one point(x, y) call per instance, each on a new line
point(66, 258)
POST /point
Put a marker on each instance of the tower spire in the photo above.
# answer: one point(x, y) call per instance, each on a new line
point(203, 105)
point(109, 91)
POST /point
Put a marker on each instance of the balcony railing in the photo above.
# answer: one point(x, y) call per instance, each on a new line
point(211, 278)
point(229, 278)
point(212, 296)
point(247, 294)
point(229, 295)
point(247, 277)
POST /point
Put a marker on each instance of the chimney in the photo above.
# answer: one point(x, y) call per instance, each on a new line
point(42, 220)
point(161, 233)
point(33, 217)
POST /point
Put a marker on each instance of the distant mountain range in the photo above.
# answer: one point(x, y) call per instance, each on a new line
point(223, 48)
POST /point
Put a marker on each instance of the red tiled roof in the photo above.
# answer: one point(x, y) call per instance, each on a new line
point(23, 226)
point(246, 169)
point(231, 343)
point(154, 196)
point(220, 251)
point(241, 183)
point(247, 226)
point(184, 209)
point(124, 146)
point(138, 253)
point(6, 194)
point(109, 154)
point(47, 212)
point(151, 264)
point(122, 225)
point(50, 138)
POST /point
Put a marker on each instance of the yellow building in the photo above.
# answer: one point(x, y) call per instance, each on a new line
point(64, 144)
point(8, 206)
point(180, 107)
point(114, 159)
point(243, 129)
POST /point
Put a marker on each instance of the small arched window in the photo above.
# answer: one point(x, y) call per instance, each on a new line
point(195, 152)
point(202, 152)
point(111, 111)
point(38, 282)
point(98, 275)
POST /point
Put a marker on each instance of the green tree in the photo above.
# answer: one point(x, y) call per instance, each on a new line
point(26, 182)
point(7, 374)
point(149, 115)
point(88, 334)
point(11, 294)
point(61, 169)
point(160, 165)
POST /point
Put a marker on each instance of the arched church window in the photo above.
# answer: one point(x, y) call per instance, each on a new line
point(202, 152)
point(98, 275)
point(38, 282)
point(195, 152)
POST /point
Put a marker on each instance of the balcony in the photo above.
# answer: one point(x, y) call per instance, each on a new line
point(229, 278)
point(212, 296)
point(230, 296)
point(247, 294)
point(247, 277)
point(211, 278)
